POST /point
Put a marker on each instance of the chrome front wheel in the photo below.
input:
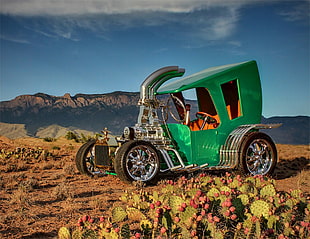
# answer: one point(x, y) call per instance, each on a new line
point(137, 161)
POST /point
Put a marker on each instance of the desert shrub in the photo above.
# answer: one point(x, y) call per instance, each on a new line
point(62, 191)
point(46, 165)
point(20, 197)
point(72, 136)
point(56, 148)
point(1, 182)
point(49, 139)
point(69, 169)
point(29, 184)
point(206, 207)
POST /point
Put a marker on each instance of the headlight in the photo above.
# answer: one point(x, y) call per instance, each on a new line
point(129, 133)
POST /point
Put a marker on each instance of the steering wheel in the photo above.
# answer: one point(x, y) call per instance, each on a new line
point(178, 102)
point(207, 118)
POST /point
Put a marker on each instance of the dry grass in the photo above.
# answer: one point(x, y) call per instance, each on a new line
point(63, 191)
point(21, 198)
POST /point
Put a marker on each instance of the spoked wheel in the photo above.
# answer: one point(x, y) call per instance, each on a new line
point(137, 161)
point(258, 155)
point(84, 159)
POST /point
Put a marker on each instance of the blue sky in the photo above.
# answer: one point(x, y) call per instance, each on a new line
point(101, 46)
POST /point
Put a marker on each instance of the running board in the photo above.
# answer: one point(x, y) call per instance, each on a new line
point(181, 167)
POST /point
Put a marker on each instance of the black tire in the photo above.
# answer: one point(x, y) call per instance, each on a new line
point(84, 159)
point(137, 161)
point(258, 155)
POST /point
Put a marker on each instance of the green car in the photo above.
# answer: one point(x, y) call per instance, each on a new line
point(218, 128)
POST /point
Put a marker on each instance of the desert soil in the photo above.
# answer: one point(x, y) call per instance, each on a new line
point(38, 196)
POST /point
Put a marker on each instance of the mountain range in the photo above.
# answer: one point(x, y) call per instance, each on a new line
point(43, 115)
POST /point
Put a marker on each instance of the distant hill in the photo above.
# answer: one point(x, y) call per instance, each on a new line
point(87, 112)
point(294, 130)
point(13, 131)
point(43, 115)
point(56, 131)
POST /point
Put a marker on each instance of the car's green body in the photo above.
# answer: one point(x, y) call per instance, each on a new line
point(203, 146)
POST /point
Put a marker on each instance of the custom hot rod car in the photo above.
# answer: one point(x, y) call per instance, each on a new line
point(217, 129)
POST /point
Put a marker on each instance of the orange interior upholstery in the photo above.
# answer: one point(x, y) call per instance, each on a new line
point(197, 123)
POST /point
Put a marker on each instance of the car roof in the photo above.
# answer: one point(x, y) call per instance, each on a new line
point(203, 78)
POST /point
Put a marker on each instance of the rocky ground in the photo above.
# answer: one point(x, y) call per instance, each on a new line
point(41, 190)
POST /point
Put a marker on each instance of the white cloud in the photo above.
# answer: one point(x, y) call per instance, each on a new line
point(298, 12)
point(196, 19)
point(14, 39)
point(86, 7)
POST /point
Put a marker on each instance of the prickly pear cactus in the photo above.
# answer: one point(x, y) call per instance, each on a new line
point(260, 208)
point(296, 193)
point(225, 189)
point(175, 203)
point(77, 234)
point(64, 233)
point(125, 231)
point(187, 214)
point(213, 192)
point(244, 199)
point(145, 225)
point(135, 214)
point(272, 220)
point(118, 214)
point(268, 190)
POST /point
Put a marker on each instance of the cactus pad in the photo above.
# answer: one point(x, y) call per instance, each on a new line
point(225, 189)
point(175, 202)
point(244, 199)
point(145, 225)
point(64, 233)
point(187, 214)
point(296, 193)
point(268, 190)
point(212, 191)
point(135, 214)
point(118, 214)
point(260, 208)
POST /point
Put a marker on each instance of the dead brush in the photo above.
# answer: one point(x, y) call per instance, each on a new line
point(62, 191)
point(97, 203)
point(21, 198)
point(69, 169)
point(69, 206)
point(29, 184)
point(46, 165)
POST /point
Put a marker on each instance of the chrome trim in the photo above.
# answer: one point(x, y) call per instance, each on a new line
point(230, 151)
point(148, 102)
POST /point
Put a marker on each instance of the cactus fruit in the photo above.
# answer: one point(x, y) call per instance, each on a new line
point(268, 190)
point(260, 208)
point(64, 233)
point(118, 214)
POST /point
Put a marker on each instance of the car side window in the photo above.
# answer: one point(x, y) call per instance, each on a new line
point(205, 102)
point(231, 96)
